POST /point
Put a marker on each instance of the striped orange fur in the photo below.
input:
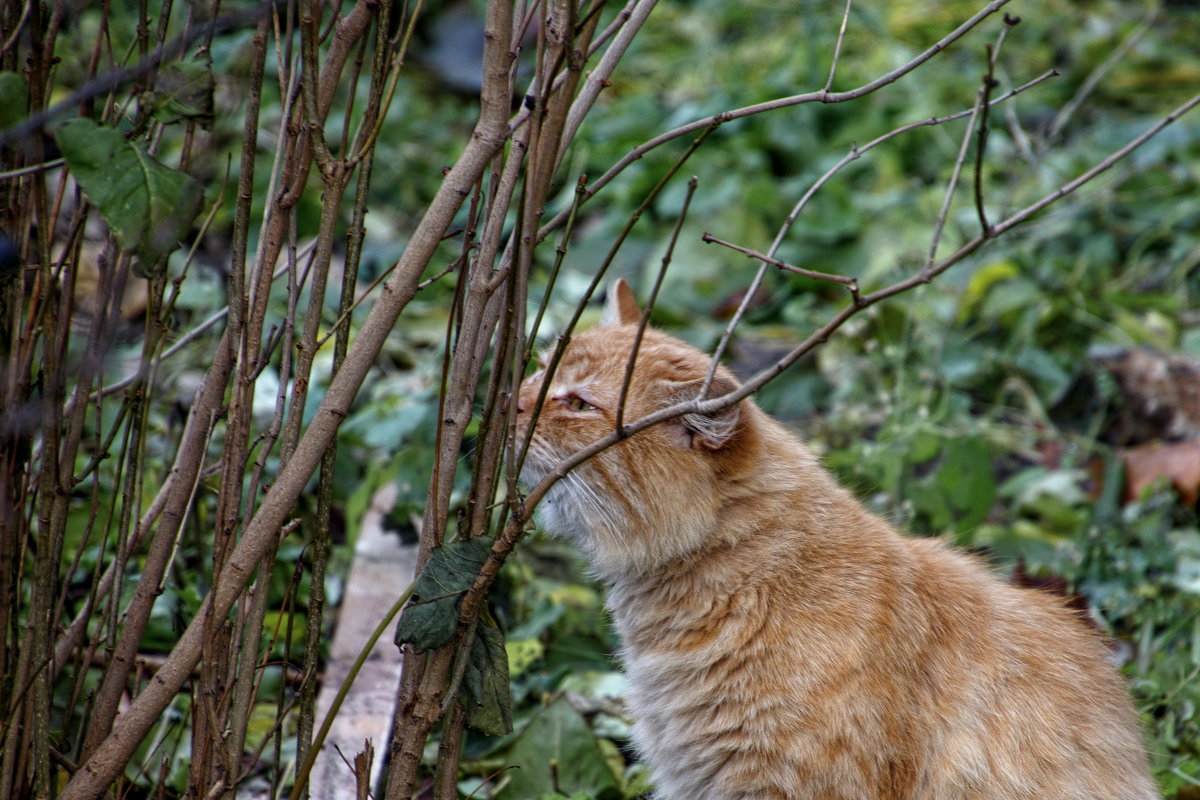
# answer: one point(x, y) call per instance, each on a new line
point(781, 641)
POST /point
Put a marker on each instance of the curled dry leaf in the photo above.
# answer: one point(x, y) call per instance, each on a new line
point(1177, 462)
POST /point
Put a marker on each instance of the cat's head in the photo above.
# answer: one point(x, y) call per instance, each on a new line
point(656, 495)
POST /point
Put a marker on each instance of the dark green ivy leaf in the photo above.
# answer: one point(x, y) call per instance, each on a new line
point(149, 206)
point(486, 695)
point(430, 618)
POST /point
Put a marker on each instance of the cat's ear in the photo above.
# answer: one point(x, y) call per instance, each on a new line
point(714, 429)
point(622, 307)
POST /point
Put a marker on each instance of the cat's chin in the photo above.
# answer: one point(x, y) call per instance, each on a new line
point(555, 519)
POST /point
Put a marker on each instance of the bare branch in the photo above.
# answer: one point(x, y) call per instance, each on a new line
point(837, 47)
point(854, 154)
point(822, 96)
point(645, 320)
point(981, 130)
point(960, 160)
point(851, 283)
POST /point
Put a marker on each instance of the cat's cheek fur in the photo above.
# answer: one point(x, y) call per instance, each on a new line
point(625, 527)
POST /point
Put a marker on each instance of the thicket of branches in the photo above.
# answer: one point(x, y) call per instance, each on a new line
point(112, 176)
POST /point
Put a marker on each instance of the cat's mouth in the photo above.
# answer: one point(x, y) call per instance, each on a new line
point(559, 510)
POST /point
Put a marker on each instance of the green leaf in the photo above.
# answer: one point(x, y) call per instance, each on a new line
point(557, 752)
point(523, 653)
point(149, 206)
point(14, 99)
point(184, 90)
point(925, 446)
point(982, 282)
point(967, 478)
point(931, 501)
point(487, 697)
point(430, 619)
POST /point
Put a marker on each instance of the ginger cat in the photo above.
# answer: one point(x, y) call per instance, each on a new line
point(781, 641)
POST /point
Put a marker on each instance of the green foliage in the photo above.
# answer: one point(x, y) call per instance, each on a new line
point(558, 755)
point(148, 205)
point(488, 700)
point(184, 91)
point(14, 98)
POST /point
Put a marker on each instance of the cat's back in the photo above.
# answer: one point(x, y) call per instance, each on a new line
point(862, 664)
point(1024, 701)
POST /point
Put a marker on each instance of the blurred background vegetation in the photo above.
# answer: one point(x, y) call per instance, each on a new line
point(1012, 406)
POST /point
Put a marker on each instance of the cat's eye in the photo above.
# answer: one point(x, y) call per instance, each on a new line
point(576, 403)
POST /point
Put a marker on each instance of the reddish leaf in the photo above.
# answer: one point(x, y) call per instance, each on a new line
point(1178, 463)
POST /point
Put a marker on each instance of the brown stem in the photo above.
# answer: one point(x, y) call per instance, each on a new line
point(981, 132)
point(619, 425)
point(445, 785)
point(108, 760)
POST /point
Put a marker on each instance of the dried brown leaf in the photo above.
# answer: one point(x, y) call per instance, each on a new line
point(1178, 463)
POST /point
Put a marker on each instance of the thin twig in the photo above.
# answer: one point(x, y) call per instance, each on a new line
point(560, 253)
point(645, 319)
point(708, 238)
point(782, 102)
point(837, 47)
point(960, 160)
point(45, 166)
point(20, 26)
point(855, 153)
point(981, 131)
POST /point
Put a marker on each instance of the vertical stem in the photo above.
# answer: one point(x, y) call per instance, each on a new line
point(242, 337)
point(445, 785)
point(319, 552)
